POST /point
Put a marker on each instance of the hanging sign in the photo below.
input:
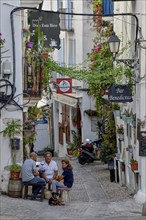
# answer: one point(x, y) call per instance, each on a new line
point(142, 144)
point(120, 93)
point(64, 85)
point(49, 25)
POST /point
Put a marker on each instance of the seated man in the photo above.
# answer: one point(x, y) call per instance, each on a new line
point(30, 173)
point(48, 168)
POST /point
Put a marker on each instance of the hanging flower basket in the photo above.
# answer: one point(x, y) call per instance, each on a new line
point(90, 112)
point(128, 120)
point(134, 166)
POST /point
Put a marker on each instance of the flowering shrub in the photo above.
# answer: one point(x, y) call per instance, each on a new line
point(97, 7)
point(29, 125)
point(97, 48)
point(2, 41)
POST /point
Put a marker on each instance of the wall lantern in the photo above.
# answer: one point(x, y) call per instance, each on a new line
point(114, 43)
point(7, 69)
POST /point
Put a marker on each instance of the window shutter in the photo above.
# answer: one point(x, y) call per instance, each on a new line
point(107, 7)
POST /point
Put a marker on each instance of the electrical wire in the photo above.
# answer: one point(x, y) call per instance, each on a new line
point(56, 12)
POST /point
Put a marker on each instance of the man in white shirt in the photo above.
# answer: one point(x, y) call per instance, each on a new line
point(48, 168)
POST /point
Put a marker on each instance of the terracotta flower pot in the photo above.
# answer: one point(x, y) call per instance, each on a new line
point(70, 152)
point(134, 166)
point(14, 175)
point(45, 55)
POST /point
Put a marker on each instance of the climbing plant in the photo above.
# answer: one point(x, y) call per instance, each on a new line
point(98, 72)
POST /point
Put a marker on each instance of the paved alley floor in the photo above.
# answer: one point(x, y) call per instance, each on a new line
point(94, 197)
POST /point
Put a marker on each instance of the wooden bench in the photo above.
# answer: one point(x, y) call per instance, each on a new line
point(65, 194)
point(25, 195)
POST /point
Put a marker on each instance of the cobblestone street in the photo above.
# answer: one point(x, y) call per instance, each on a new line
point(93, 197)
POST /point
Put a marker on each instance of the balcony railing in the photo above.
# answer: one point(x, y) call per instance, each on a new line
point(32, 81)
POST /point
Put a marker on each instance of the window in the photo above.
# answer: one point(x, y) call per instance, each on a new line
point(72, 52)
point(69, 17)
point(61, 53)
point(59, 4)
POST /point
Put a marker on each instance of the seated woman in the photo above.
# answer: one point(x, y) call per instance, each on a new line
point(66, 179)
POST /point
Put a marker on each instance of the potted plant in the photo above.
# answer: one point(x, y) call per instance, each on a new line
point(120, 132)
point(91, 112)
point(13, 128)
point(128, 117)
point(74, 120)
point(45, 54)
point(15, 184)
point(120, 129)
point(28, 127)
point(70, 148)
point(134, 164)
point(14, 171)
point(116, 109)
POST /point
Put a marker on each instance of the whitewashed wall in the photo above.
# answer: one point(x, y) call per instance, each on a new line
point(6, 6)
point(42, 137)
point(137, 7)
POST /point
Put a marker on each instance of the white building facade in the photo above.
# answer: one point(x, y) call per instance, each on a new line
point(76, 40)
point(11, 30)
point(125, 27)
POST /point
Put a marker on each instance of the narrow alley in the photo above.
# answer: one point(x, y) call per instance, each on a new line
point(93, 197)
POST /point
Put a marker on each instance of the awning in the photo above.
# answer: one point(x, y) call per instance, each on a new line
point(67, 100)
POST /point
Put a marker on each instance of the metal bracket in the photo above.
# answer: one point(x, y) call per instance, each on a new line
point(128, 62)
